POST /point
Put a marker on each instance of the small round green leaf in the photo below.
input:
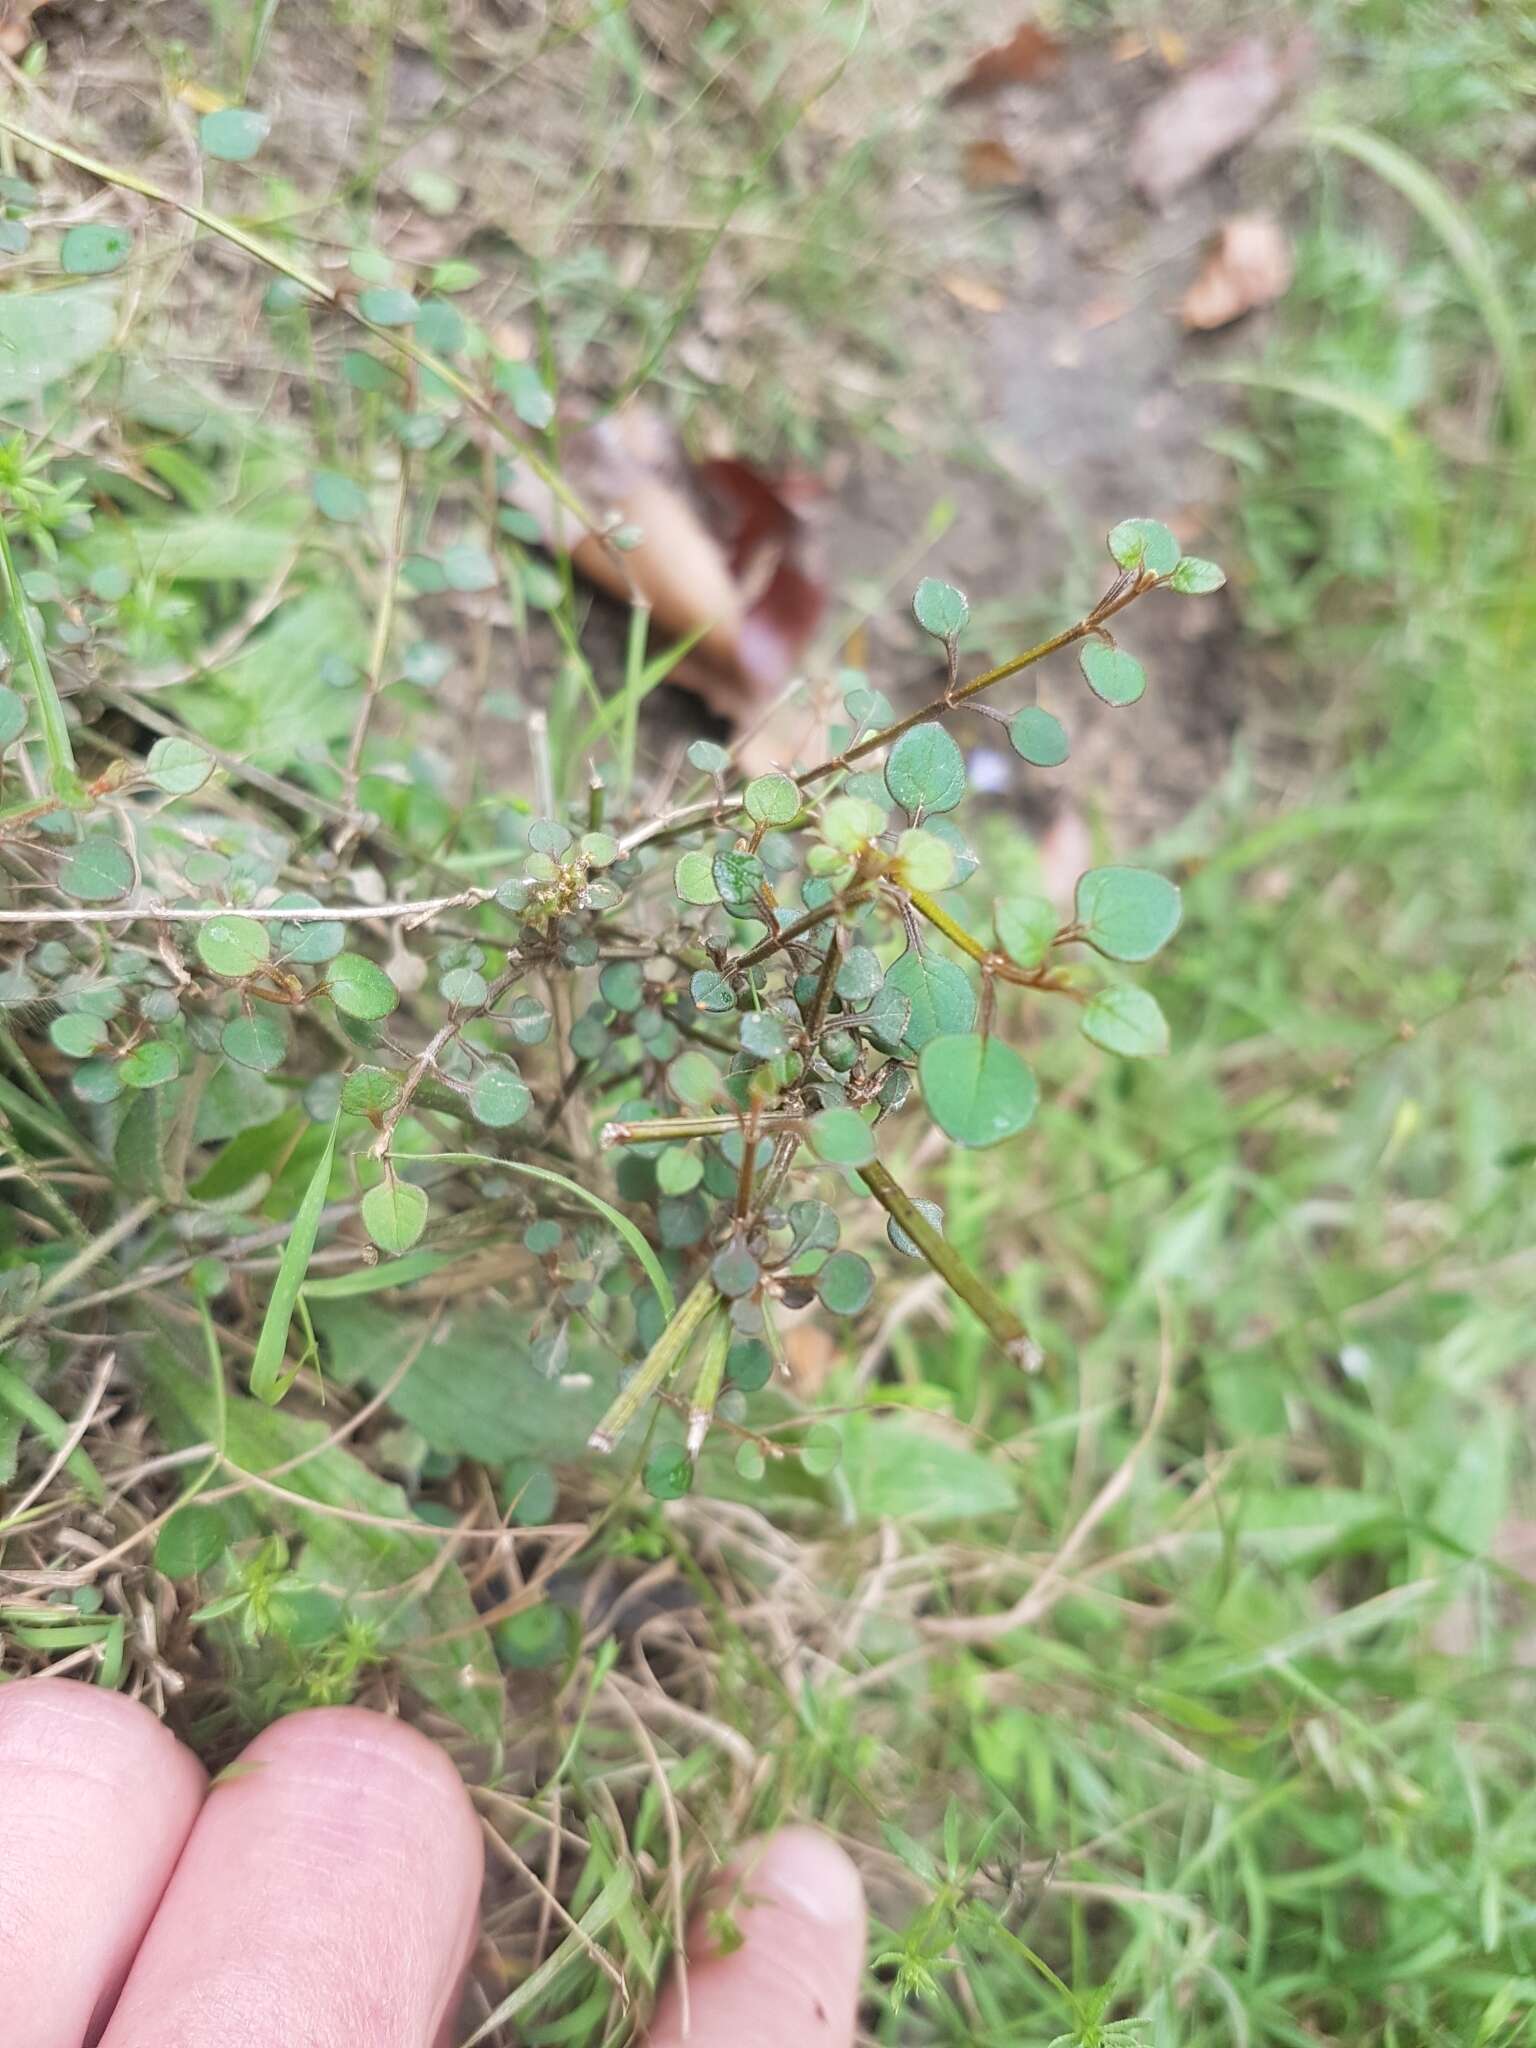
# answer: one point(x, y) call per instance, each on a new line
point(395, 1214)
point(927, 862)
point(693, 879)
point(98, 871)
point(1193, 576)
point(543, 1236)
point(734, 1271)
point(1144, 544)
point(178, 766)
point(386, 305)
point(233, 134)
point(763, 1035)
point(233, 946)
point(1126, 1020)
point(860, 976)
point(1127, 913)
point(360, 988)
point(940, 609)
point(940, 993)
point(1111, 673)
point(926, 770)
point(110, 582)
point(468, 567)
point(679, 1170)
point(310, 942)
point(930, 1212)
point(530, 396)
point(370, 1091)
point(97, 1081)
point(466, 988)
point(750, 1462)
point(622, 986)
point(749, 1364)
point(739, 877)
point(527, 1020)
point(694, 1079)
point(191, 1539)
point(150, 1065)
point(259, 1041)
point(78, 1035)
point(534, 1639)
point(1026, 925)
point(821, 1449)
point(849, 821)
point(498, 1097)
point(708, 758)
point(1038, 737)
point(978, 1090)
point(771, 799)
point(94, 248)
point(844, 1283)
point(668, 1472)
point(13, 715)
point(841, 1138)
point(711, 991)
point(339, 497)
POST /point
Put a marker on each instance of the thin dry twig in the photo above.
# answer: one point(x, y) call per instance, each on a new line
point(1053, 1584)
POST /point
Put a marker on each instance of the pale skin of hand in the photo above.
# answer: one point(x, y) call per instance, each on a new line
point(325, 1895)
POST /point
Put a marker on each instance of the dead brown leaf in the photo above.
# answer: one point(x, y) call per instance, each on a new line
point(1206, 114)
point(722, 552)
point(1029, 53)
point(16, 24)
point(990, 165)
point(1247, 265)
point(973, 292)
point(810, 1352)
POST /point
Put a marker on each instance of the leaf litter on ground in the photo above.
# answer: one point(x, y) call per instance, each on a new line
point(1209, 112)
point(719, 551)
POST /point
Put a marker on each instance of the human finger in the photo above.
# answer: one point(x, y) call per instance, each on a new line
point(96, 1800)
point(327, 1895)
point(793, 1980)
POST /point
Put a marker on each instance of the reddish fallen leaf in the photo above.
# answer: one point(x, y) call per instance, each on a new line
point(1028, 54)
point(989, 164)
point(1206, 114)
point(723, 551)
point(1248, 265)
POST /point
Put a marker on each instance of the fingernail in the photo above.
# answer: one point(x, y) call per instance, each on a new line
point(805, 1870)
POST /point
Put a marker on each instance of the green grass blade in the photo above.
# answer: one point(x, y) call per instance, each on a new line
point(16, 1395)
point(604, 1909)
point(60, 754)
point(378, 1279)
point(622, 1224)
point(1463, 242)
point(268, 1381)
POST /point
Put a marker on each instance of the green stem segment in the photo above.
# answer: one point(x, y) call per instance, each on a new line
point(62, 778)
point(706, 1388)
point(676, 1130)
point(661, 1362)
point(994, 1315)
